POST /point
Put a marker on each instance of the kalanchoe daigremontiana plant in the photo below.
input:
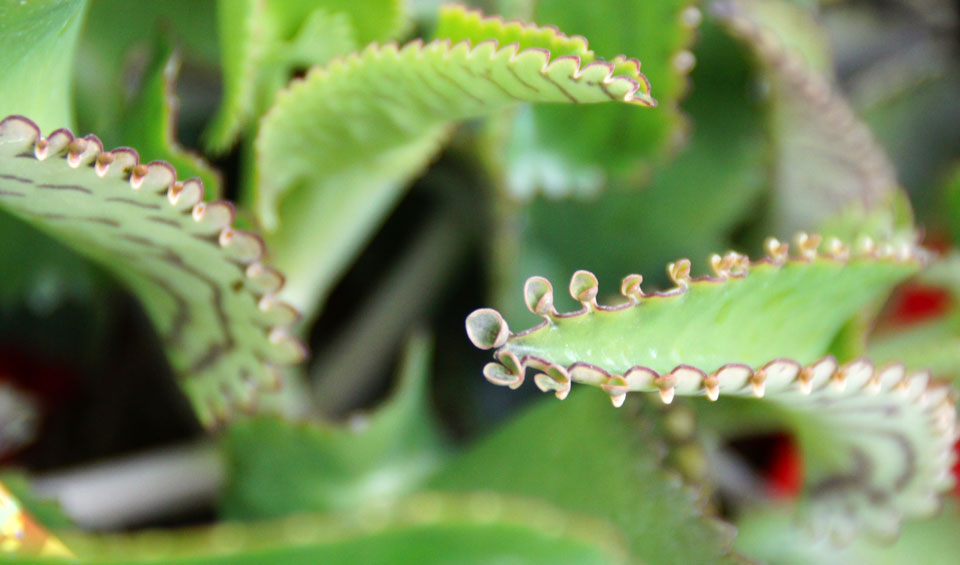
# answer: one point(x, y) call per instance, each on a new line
point(345, 126)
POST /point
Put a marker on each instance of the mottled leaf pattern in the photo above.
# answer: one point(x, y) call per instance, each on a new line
point(212, 300)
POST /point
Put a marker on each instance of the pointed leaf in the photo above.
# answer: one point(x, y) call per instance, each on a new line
point(278, 468)
point(582, 146)
point(585, 457)
point(212, 300)
point(882, 435)
point(337, 149)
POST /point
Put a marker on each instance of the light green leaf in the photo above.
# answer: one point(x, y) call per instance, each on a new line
point(336, 151)
point(475, 528)
point(772, 536)
point(211, 299)
point(37, 41)
point(881, 436)
point(826, 161)
point(587, 458)
point(264, 43)
point(588, 144)
point(278, 468)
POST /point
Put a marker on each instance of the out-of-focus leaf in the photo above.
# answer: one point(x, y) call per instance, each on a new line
point(149, 124)
point(826, 161)
point(38, 271)
point(265, 43)
point(37, 42)
point(278, 468)
point(560, 149)
point(933, 344)
point(477, 528)
point(339, 147)
point(772, 536)
point(117, 42)
point(952, 202)
point(201, 280)
point(582, 456)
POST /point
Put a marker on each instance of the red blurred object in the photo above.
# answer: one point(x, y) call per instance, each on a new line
point(914, 303)
point(785, 470)
point(956, 469)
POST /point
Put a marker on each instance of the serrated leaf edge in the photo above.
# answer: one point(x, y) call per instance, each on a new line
point(161, 178)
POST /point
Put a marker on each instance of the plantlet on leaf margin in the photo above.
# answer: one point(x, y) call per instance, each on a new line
point(202, 281)
point(756, 329)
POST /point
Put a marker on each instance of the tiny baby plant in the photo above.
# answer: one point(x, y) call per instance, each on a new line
point(281, 200)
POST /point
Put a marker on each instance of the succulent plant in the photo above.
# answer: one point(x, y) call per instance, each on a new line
point(333, 208)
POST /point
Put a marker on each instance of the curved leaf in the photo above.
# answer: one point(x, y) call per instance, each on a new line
point(826, 161)
point(758, 329)
point(338, 147)
point(477, 528)
point(212, 300)
point(264, 43)
point(771, 535)
point(37, 41)
point(588, 144)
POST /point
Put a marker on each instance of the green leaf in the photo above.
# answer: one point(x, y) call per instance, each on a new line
point(586, 458)
point(771, 536)
point(476, 528)
point(37, 41)
point(115, 47)
point(952, 204)
point(689, 207)
point(881, 435)
point(826, 161)
point(38, 271)
point(278, 468)
point(150, 121)
point(263, 44)
point(211, 299)
point(336, 151)
point(587, 144)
